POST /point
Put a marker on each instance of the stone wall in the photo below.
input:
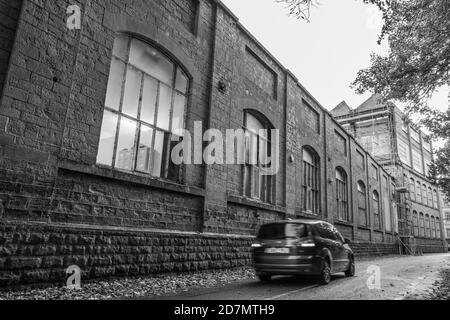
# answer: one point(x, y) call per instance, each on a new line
point(31, 253)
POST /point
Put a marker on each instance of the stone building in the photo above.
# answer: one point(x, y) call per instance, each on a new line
point(406, 153)
point(87, 119)
point(446, 215)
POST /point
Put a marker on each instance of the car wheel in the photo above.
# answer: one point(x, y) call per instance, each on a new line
point(264, 277)
point(325, 274)
point(351, 268)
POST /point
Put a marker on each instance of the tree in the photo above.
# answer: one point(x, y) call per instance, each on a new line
point(417, 65)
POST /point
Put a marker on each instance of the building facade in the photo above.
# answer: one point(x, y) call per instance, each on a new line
point(89, 117)
point(446, 215)
point(404, 151)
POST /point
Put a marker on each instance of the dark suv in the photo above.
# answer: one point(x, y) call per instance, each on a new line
point(302, 247)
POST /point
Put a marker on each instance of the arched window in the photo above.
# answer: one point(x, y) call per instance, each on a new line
point(438, 228)
point(376, 210)
point(416, 223)
point(422, 225)
point(430, 197)
point(433, 227)
point(427, 226)
point(435, 200)
point(342, 195)
point(412, 189)
point(424, 195)
point(362, 204)
point(145, 103)
point(418, 192)
point(257, 185)
point(311, 181)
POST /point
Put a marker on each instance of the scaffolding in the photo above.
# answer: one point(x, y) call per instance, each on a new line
point(382, 120)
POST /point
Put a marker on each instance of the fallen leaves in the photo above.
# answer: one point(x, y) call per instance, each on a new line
point(128, 288)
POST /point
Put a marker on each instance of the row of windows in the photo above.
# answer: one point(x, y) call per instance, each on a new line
point(426, 226)
point(146, 104)
point(421, 194)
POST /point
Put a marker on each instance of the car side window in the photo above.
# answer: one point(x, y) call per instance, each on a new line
point(325, 232)
point(338, 235)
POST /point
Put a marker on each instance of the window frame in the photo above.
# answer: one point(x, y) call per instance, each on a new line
point(376, 207)
point(266, 183)
point(311, 183)
point(342, 196)
point(362, 195)
point(167, 134)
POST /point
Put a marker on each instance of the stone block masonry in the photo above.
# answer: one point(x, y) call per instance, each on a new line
point(33, 253)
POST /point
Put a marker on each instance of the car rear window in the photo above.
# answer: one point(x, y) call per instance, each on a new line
point(284, 231)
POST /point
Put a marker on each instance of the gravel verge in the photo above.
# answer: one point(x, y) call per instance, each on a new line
point(129, 288)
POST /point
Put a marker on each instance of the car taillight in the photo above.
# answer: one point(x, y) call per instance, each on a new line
point(307, 244)
point(257, 245)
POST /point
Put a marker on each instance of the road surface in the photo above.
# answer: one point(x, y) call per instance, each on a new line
point(400, 278)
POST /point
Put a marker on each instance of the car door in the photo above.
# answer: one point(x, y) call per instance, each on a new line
point(328, 241)
point(341, 259)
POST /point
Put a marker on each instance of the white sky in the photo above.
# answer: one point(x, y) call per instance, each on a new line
point(326, 53)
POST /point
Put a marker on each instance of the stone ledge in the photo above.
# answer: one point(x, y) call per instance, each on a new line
point(133, 178)
point(254, 204)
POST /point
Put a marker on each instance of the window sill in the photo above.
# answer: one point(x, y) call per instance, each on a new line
point(378, 230)
point(364, 228)
point(255, 204)
point(134, 178)
point(344, 223)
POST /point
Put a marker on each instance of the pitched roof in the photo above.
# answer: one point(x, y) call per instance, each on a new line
point(374, 102)
point(341, 109)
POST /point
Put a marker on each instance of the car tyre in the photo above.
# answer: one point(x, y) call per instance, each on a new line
point(351, 268)
point(264, 277)
point(325, 274)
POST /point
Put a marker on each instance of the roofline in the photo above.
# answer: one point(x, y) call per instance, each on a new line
point(289, 73)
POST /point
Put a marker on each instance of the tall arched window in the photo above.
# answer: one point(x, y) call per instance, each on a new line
point(376, 210)
point(412, 189)
point(433, 227)
point(145, 104)
point(435, 200)
point(418, 192)
point(257, 185)
point(311, 181)
point(424, 195)
point(362, 204)
point(430, 197)
point(342, 195)
point(438, 228)
point(416, 223)
point(427, 226)
point(422, 225)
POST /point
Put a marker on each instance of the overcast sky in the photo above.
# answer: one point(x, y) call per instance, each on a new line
point(326, 53)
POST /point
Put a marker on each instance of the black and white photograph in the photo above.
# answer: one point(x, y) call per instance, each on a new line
point(224, 159)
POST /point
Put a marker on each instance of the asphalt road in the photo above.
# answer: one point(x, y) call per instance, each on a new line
point(400, 278)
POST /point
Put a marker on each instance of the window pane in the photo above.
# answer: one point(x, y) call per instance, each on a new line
point(151, 61)
point(178, 112)
point(132, 93)
point(120, 49)
point(182, 81)
point(114, 91)
point(253, 124)
point(145, 150)
point(158, 154)
point(149, 96)
point(107, 139)
point(125, 144)
point(164, 106)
